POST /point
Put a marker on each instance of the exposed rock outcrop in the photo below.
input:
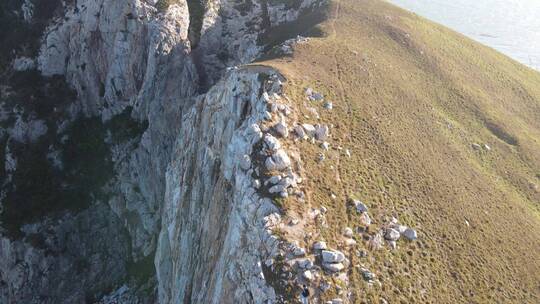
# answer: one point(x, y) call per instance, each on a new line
point(183, 190)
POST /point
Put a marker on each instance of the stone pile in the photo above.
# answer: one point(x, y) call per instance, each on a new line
point(312, 95)
point(394, 231)
point(333, 260)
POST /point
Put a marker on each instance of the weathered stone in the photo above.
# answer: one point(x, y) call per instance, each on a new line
point(299, 251)
point(367, 275)
point(276, 189)
point(376, 242)
point(365, 220)
point(333, 267)
point(328, 106)
point(279, 161)
point(322, 132)
point(361, 253)
point(287, 182)
point(410, 234)
point(307, 275)
point(324, 286)
point(332, 256)
point(272, 143)
point(320, 245)
point(350, 242)
point(305, 263)
point(299, 130)
point(325, 146)
point(399, 228)
point(274, 180)
point(317, 96)
point(23, 64)
point(360, 207)
point(348, 232)
point(282, 129)
point(245, 162)
point(256, 183)
point(391, 234)
point(309, 129)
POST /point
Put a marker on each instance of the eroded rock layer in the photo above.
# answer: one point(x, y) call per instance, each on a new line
point(149, 190)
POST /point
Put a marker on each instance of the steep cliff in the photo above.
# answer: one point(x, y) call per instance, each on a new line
point(101, 102)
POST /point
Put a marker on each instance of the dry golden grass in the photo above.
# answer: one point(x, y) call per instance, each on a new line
point(410, 97)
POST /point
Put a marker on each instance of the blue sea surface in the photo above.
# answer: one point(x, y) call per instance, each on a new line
point(510, 26)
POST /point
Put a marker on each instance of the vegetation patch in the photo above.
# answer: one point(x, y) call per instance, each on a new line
point(141, 271)
point(40, 189)
point(23, 38)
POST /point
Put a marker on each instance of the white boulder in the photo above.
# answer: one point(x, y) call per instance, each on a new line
point(274, 180)
point(332, 256)
point(245, 162)
point(307, 275)
point(410, 234)
point(391, 234)
point(365, 219)
point(320, 245)
point(276, 189)
point(305, 264)
point(279, 161)
point(299, 130)
point(299, 251)
point(348, 232)
point(350, 242)
point(282, 129)
point(309, 130)
point(333, 267)
point(360, 207)
point(322, 132)
point(272, 143)
point(328, 106)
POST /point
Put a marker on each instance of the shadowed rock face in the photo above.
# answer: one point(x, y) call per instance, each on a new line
point(175, 191)
point(212, 214)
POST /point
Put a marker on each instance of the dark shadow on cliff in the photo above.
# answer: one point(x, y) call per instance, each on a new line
point(270, 39)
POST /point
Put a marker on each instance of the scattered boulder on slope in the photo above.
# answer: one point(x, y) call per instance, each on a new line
point(360, 207)
point(333, 267)
point(322, 132)
point(391, 234)
point(410, 234)
point(320, 245)
point(279, 161)
point(332, 256)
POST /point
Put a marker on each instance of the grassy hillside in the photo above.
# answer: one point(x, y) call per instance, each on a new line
point(410, 99)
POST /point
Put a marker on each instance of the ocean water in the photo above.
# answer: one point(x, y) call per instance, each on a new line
point(510, 26)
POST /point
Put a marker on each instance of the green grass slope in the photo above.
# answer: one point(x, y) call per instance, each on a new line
point(410, 98)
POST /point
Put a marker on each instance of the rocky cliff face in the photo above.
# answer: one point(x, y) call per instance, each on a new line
point(146, 148)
